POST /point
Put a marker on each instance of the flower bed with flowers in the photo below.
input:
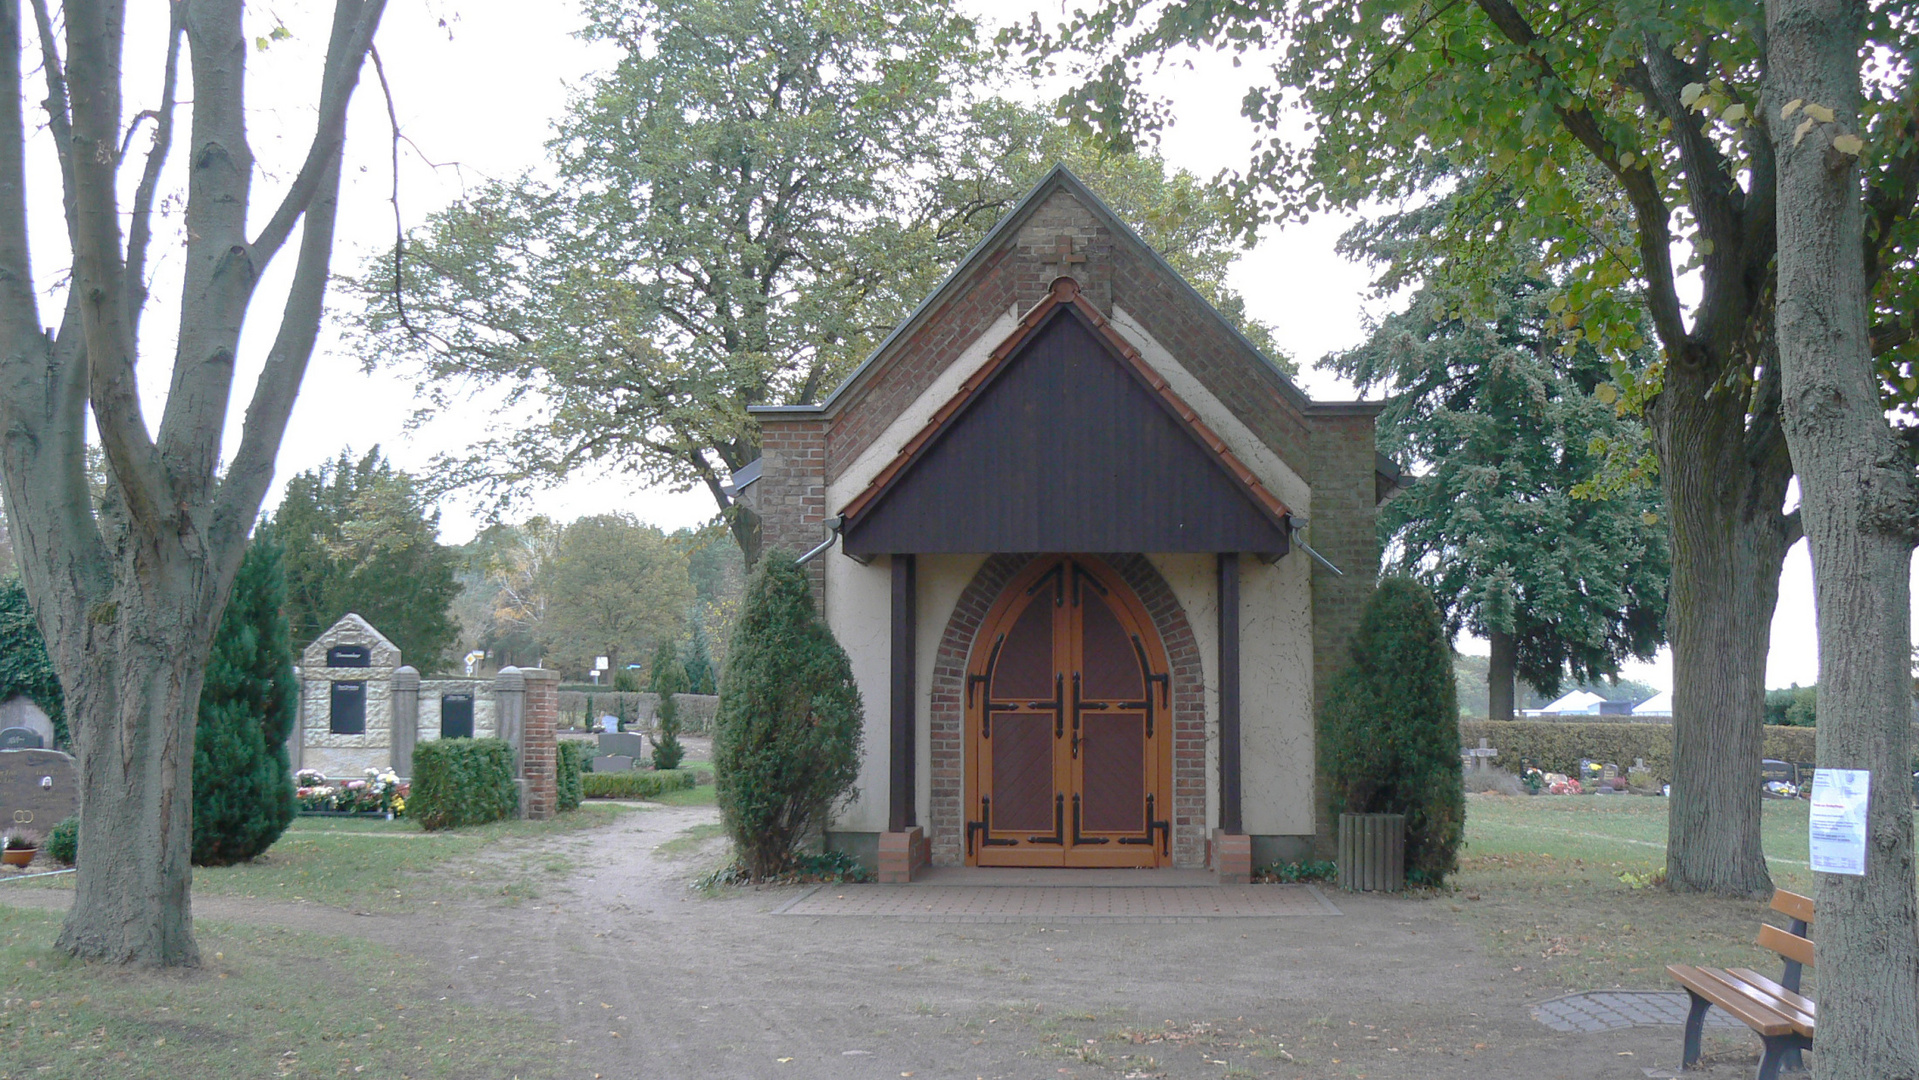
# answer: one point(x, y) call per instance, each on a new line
point(381, 793)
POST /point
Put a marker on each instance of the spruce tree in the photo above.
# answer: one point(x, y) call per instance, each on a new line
point(699, 664)
point(1390, 728)
point(242, 785)
point(786, 742)
point(669, 678)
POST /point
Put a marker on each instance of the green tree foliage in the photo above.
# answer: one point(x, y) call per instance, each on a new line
point(698, 664)
point(786, 743)
point(1797, 706)
point(1499, 415)
point(1389, 731)
point(668, 679)
point(361, 537)
point(242, 784)
point(739, 212)
point(24, 665)
point(612, 587)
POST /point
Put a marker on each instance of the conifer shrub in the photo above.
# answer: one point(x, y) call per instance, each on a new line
point(459, 782)
point(243, 795)
point(571, 767)
point(669, 678)
point(63, 843)
point(1390, 728)
point(786, 739)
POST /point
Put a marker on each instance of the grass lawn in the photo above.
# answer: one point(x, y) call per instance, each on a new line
point(1557, 885)
point(266, 1003)
point(384, 866)
point(701, 794)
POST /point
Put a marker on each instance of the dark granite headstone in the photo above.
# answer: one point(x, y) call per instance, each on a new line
point(347, 715)
point(1772, 771)
point(38, 789)
point(20, 738)
point(623, 742)
point(456, 716)
point(612, 763)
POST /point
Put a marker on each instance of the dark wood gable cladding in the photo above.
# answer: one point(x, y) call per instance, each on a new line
point(1065, 446)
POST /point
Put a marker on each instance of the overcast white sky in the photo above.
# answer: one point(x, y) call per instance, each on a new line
point(476, 93)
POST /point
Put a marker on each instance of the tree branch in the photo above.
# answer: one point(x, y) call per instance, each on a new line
point(140, 229)
point(1649, 206)
point(59, 111)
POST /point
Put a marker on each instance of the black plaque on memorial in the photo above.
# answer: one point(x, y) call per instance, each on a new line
point(21, 738)
point(456, 716)
point(348, 712)
point(349, 656)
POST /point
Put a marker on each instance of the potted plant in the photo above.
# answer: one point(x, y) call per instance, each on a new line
point(19, 846)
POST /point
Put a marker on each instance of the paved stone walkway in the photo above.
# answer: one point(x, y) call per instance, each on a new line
point(1612, 1010)
point(1056, 903)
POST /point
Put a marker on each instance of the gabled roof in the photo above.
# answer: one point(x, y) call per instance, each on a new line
point(1065, 294)
point(1060, 178)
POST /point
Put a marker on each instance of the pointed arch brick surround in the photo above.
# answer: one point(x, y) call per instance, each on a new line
point(947, 737)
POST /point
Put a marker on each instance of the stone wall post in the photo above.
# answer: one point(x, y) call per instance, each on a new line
point(509, 706)
point(539, 744)
point(297, 741)
point(405, 731)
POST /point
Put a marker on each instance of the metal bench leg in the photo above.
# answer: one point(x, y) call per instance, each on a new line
point(1695, 1023)
point(1778, 1047)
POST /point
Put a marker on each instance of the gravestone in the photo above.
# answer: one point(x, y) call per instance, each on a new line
point(456, 716)
point(21, 711)
point(610, 723)
point(347, 708)
point(19, 738)
point(1772, 771)
point(1482, 756)
point(628, 743)
point(38, 790)
point(613, 763)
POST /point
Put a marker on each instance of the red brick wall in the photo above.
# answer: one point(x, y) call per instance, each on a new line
point(539, 757)
point(791, 492)
point(947, 738)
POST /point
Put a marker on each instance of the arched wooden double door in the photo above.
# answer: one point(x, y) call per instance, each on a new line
point(1068, 723)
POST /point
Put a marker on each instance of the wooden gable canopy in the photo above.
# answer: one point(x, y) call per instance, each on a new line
point(1066, 440)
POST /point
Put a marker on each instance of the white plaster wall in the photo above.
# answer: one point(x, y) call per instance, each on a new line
point(942, 578)
point(859, 610)
point(1277, 762)
point(1280, 479)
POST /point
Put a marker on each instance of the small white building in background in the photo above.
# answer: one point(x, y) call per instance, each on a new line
point(1579, 701)
point(1659, 704)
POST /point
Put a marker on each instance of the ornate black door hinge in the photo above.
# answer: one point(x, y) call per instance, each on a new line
point(1059, 825)
point(1077, 838)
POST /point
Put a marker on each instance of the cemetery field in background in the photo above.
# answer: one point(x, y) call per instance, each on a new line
point(1559, 887)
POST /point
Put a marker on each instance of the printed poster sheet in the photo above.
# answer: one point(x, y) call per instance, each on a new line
point(1838, 823)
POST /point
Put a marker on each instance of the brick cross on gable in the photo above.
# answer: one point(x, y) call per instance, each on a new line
point(1063, 256)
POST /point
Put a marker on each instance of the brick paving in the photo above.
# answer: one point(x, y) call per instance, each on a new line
point(1612, 1010)
point(1055, 903)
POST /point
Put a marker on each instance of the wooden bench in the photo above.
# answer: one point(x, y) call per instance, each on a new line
point(1776, 1011)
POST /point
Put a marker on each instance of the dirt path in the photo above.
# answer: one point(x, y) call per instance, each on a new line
point(645, 978)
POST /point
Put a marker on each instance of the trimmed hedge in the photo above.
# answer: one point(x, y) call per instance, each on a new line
point(636, 784)
point(462, 782)
point(1557, 747)
point(571, 765)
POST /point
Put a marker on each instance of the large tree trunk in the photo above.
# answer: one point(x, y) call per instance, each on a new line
point(1499, 676)
point(1729, 541)
point(132, 709)
point(1858, 501)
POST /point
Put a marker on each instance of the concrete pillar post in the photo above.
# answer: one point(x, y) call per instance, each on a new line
point(509, 708)
point(405, 729)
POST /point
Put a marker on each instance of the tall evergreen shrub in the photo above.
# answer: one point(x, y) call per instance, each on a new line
point(242, 783)
point(700, 678)
point(786, 740)
point(1390, 728)
point(669, 678)
point(569, 771)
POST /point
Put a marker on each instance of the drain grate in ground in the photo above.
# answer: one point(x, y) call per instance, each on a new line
point(1611, 1010)
point(1042, 903)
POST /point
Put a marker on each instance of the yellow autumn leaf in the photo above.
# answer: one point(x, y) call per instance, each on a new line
point(1799, 133)
point(1626, 159)
point(1734, 113)
point(1819, 113)
point(1649, 518)
point(1849, 145)
point(1691, 93)
point(1606, 392)
point(1791, 107)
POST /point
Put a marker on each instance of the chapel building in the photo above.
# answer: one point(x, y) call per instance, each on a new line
point(1074, 572)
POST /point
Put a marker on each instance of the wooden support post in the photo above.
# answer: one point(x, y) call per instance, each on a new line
point(902, 792)
point(1229, 788)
